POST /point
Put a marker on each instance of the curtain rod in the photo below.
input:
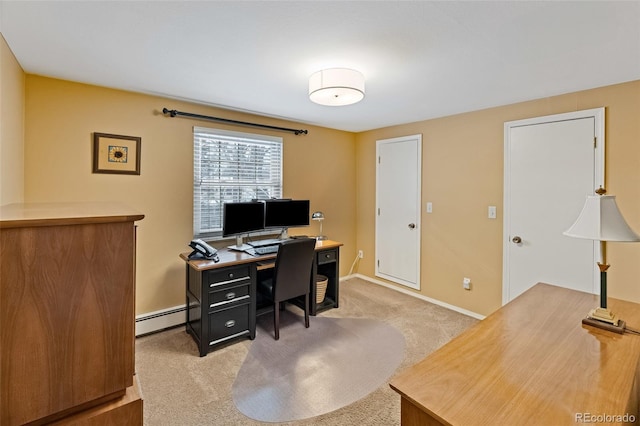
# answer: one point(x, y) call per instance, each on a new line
point(175, 113)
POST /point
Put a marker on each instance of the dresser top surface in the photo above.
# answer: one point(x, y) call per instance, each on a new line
point(52, 214)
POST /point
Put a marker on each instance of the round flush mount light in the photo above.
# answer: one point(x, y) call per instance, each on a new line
point(336, 87)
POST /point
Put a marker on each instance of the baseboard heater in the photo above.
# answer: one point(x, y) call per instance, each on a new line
point(152, 322)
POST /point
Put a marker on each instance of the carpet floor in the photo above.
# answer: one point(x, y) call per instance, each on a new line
point(181, 388)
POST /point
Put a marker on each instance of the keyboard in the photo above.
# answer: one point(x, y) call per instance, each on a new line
point(267, 249)
point(263, 243)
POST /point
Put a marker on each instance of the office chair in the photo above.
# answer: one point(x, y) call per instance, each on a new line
point(291, 277)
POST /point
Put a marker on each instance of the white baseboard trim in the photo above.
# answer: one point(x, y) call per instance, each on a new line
point(172, 317)
point(419, 296)
point(159, 320)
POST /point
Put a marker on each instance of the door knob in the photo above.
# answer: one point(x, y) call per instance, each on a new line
point(412, 226)
point(517, 239)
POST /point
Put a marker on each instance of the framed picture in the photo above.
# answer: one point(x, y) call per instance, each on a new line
point(116, 154)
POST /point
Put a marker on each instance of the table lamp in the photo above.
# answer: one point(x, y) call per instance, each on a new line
point(319, 216)
point(601, 220)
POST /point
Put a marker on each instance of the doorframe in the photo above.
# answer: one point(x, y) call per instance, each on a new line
point(599, 168)
point(418, 195)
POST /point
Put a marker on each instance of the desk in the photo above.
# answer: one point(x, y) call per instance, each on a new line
point(530, 362)
point(221, 296)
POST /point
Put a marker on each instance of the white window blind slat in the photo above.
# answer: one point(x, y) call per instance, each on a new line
point(231, 167)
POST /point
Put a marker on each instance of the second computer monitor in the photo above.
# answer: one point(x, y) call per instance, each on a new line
point(286, 213)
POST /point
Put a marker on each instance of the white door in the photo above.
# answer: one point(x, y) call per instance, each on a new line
point(398, 183)
point(551, 164)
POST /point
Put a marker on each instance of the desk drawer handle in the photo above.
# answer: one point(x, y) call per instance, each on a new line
point(230, 323)
point(231, 275)
point(230, 295)
point(225, 302)
point(328, 256)
point(213, 285)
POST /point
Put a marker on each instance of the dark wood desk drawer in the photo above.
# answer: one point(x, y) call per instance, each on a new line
point(228, 322)
point(327, 256)
point(229, 293)
point(227, 275)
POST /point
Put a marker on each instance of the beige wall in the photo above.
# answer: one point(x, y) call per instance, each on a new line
point(462, 175)
point(462, 158)
point(61, 117)
point(12, 86)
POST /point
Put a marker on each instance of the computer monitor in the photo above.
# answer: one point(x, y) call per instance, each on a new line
point(241, 218)
point(286, 213)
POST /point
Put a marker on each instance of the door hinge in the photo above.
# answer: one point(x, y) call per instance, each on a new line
point(378, 211)
point(595, 141)
point(378, 263)
point(379, 159)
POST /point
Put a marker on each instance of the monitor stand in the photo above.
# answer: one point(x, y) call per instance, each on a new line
point(239, 245)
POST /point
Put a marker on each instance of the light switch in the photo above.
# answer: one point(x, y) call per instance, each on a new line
point(492, 212)
point(429, 207)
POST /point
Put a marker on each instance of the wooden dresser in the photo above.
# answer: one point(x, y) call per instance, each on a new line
point(532, 362)
point(67, 293)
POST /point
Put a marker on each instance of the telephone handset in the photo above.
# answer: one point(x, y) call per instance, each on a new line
point(202, 250)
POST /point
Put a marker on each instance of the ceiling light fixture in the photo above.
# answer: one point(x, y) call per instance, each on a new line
point(336, 87)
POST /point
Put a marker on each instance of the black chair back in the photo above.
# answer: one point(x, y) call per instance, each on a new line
point(292, 273)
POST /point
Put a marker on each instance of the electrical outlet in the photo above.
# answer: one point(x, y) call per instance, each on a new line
point(360, 254)
point(466, 283)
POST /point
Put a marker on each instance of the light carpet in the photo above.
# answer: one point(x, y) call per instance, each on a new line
point(180, 388)
point(315, 370)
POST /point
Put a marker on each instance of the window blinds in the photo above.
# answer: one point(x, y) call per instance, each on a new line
point(231, 167)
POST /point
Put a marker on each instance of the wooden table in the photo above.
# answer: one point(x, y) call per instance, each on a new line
point(530, 362)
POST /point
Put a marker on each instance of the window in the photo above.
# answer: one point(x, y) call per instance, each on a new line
point(231, 167)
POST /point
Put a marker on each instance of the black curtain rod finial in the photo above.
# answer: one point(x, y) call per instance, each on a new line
point(175, 113)
point(172, 112)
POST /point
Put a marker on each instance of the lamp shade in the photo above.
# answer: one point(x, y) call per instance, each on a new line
point(601, 220)
point(336, 87)
point(317, 216)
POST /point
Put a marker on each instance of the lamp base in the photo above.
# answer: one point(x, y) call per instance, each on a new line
point(604, 315)
point(321, 238)
point(605, 325)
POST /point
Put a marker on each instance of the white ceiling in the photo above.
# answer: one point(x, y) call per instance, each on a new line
point(421, 59)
